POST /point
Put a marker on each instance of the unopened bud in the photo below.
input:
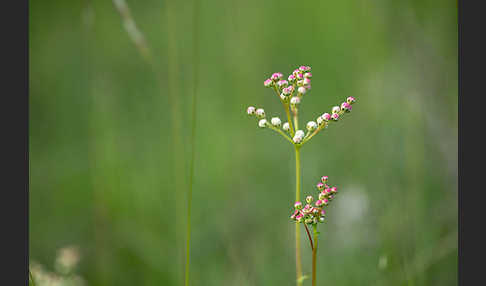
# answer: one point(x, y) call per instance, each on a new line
point(276, 121)
point(311, 126)
point(295, 100)
point(262, 123)
point(268, 83)
point(286, 126)
point(298, 205)
point(260, 113)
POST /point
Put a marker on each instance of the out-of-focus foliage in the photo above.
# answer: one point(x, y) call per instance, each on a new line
point(102, 149)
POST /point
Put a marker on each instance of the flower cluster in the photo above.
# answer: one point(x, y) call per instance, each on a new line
point(290, 91)
point(312, 214)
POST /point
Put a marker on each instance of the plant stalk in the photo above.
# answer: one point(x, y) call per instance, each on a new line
point(314, 256)
point(297, 232)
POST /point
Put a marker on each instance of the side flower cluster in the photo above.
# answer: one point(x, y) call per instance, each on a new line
point(312, 214)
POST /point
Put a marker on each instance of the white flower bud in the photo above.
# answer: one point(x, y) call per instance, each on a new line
point(319, 120)
point(262, 123)
point(276, 121)
point(286, 126)
point(301, 90)
point(250, 110)
point(284, 97)
point(260, 112)
point(299, 133)
point(295, 100)
point(336, 109)
point(311, 126)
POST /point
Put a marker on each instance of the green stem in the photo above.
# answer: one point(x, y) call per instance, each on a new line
point(296, 120)
point(297, 232)
point(193, 136)
point(287, 112)
point(281, 133)
point(314, 256)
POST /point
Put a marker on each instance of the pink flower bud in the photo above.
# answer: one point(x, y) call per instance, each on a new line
point(286, 91)
point(346, 106)
point(324, 179)
point(298, 205)
point(291, 78)
point(319, 203)
point(250, 110)
point(335, 116)
point(291, 88)
point(268, 83)
point(307, 75)
point(320, 186)
point(334, 190)
point(300, 76)
point(323, 213)
point(276, 76)
point(296, 212)
point(350, 100)
point(326, 116)
point(307, 81)
point(299, 217)
point(260, 112)
point(281, 83)
point(304, 68)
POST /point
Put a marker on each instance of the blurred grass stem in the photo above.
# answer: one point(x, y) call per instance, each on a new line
point(193, 136)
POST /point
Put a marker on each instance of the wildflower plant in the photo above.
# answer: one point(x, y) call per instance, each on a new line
point(291, 91)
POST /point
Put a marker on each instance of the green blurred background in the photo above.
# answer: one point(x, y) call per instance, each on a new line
point(110, 140)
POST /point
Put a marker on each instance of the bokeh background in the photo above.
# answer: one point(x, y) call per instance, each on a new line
point(110, 139)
